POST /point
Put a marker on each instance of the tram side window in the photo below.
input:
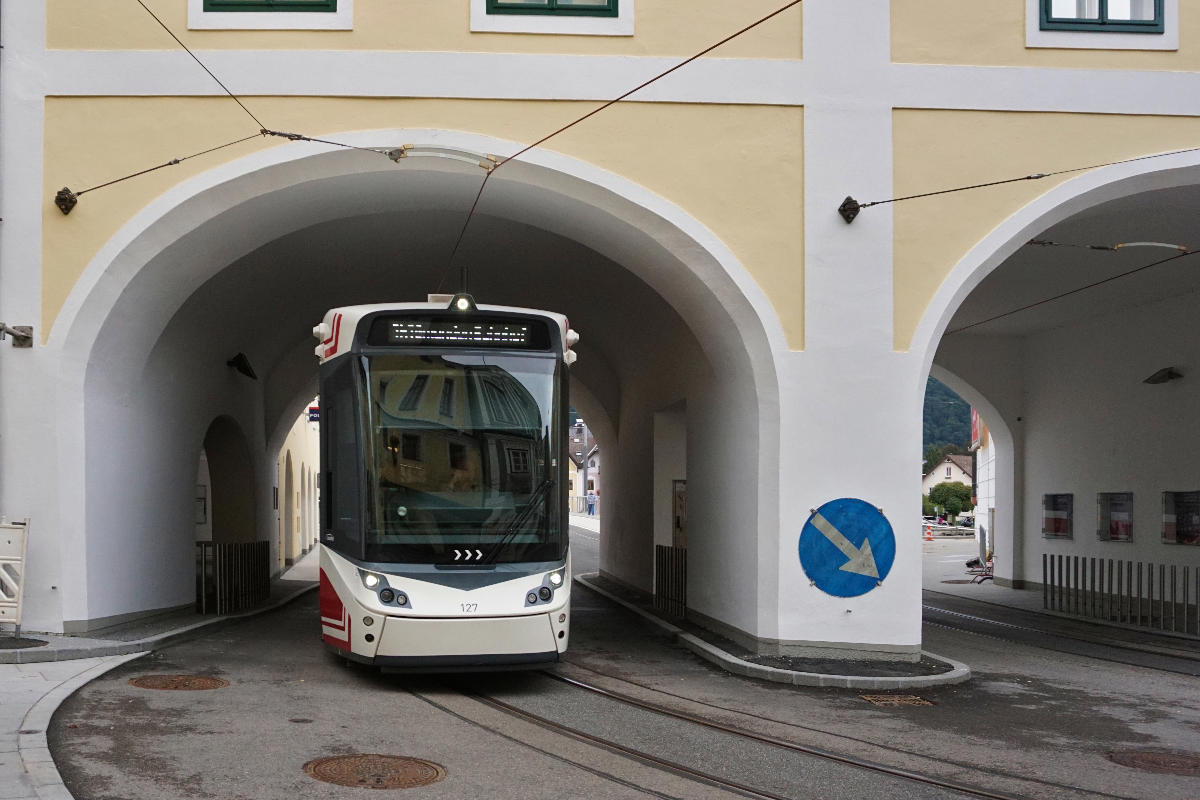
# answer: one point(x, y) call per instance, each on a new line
point(343, 516)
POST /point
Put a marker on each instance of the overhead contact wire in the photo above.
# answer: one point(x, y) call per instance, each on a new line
point(178, 41)
point(1160, 262)
point(589, 115)
point(170, 163)
point(1037, 176)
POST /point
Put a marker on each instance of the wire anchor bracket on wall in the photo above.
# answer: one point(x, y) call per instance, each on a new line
point(485, 162)
point(22, 334)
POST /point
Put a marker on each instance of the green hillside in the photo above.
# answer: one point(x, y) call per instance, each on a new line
point(947, 417)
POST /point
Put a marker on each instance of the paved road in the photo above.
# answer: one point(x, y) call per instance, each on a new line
point(1032, 723)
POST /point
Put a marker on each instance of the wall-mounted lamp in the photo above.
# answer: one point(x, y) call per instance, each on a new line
point(1164, 375)
point(242, 365)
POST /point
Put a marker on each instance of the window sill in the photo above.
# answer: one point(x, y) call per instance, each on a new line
point(201, 20)
point(620, 25)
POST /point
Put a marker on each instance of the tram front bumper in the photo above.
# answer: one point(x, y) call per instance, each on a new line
point(463, 642)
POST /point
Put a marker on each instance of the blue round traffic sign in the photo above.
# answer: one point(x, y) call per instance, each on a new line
point(847, 547)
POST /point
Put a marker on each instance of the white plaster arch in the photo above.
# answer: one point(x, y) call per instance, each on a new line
point(163, 255)
point(999, 397)
point(190, 202)
point(1058, 204)
point(1009, 503)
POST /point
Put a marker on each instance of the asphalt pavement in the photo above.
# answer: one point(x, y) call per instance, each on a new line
point(1033, 718)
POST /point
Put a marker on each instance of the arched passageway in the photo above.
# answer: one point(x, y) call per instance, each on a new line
point(1053, 334)
point(247, 259)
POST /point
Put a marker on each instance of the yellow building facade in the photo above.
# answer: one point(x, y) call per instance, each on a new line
point(691, 232)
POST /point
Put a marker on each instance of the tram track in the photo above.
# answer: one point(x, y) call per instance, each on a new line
point(1059, 789)
point(898, 782)
point(1100, 648)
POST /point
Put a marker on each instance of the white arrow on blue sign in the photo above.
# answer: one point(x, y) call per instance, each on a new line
point(847, 547)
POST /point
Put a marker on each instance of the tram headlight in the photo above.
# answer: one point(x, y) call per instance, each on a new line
point(545, 593)
point(556, 579)
point(387, 595)
point(372, 580)
point(531, 598)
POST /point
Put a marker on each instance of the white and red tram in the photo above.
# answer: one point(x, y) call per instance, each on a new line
point(444, 536)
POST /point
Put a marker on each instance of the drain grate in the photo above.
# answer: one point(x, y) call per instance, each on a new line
point(957, 580)
point(374, 771)
point(1166, 762)
point(178, 682)
point(895, 700)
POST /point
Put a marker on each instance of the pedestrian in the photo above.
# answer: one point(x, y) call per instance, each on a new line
point(591, 501)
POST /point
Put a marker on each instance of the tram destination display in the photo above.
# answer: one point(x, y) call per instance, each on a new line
point(477, 332)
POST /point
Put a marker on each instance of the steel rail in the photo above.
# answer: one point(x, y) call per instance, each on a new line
point(857, 740)
point(786, 745)
point(639, 755)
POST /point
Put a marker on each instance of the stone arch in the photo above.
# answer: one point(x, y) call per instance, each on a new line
point(1066, 200)
point(986, 369)
point(125, 318)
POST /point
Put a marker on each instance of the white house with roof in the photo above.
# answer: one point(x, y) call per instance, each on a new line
point(952, 468)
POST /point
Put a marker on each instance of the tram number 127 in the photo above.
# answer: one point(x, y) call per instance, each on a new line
point(470, 608)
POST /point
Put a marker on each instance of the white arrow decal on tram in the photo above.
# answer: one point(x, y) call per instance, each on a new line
point(862, 560)
point(478, 554)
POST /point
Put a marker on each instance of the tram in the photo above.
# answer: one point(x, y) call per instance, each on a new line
point(444, 536)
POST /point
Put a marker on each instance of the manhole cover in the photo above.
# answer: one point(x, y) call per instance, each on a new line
point(895, 700)
point(184, 682)
point(1163, 761)
point(374, 771)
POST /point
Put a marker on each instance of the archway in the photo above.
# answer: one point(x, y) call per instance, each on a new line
point(1053, 333)
point(267, 244)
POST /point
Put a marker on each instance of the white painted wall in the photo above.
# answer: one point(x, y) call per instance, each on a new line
point(985, 483)
point(1091, 426)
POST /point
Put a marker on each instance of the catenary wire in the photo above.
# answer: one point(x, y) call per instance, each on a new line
point(1034, 177)
point(202, 66)
point(1093, 285)
point(588, 115)
point(170, 163)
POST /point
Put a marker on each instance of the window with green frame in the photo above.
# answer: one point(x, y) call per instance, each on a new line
point(270, 5)
point(588, 8)
point(1116, 16)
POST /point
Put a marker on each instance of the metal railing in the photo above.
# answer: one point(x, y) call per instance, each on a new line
point(232, 577)
point(670, 580)
point(1164, 597)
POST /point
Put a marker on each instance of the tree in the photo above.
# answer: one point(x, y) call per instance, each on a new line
point(953, 496)
point(946, 417)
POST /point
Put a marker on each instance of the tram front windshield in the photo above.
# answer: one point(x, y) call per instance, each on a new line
point(462, 459)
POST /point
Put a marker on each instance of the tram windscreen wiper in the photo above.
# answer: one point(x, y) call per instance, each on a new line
point(537, 498)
